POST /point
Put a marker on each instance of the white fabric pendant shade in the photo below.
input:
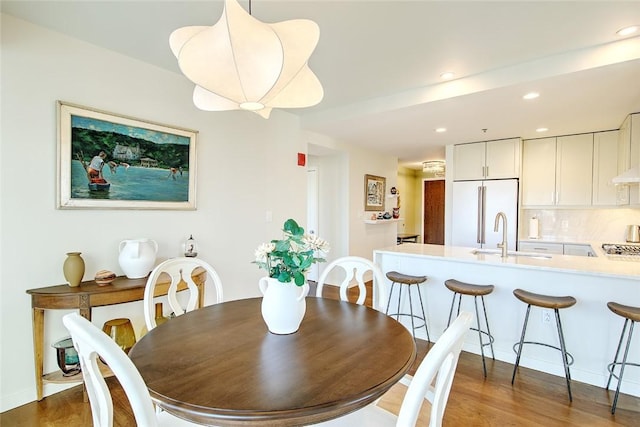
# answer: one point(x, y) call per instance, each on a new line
point(241, 60)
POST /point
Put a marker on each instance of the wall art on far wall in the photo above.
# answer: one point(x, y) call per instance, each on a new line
point(374, 190)
point(117, 162)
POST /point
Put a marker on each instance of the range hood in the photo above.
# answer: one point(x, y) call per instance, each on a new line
point(628, 177)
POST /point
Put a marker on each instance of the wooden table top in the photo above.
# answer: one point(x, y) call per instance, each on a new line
point(220, 365)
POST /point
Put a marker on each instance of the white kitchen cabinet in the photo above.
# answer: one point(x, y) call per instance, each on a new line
point(487, 160)
point(579, 250)
point(541, 247)
point(557, 171)
point(605, 167)
point(538, 172)
point(574, 170)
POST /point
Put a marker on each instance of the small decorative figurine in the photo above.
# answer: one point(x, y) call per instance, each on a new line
point(394, 190)
point(190, 247)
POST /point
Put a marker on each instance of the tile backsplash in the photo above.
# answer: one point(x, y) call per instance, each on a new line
point(579, 225)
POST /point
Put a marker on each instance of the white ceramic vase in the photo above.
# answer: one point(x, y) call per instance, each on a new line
point(137, 257)
point(283, 305)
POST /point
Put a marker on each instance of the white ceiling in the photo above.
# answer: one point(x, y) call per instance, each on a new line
point(380, 61)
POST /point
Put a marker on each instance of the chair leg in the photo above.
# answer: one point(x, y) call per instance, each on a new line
point(453, 302)
point(484, 365)
point(399, 298)
point(424, 316)
point(486, 321)
point(413, 326)
point(524, 329)
point(563, 349)
point(390, 293)
point(615, 359)
point(624, 362)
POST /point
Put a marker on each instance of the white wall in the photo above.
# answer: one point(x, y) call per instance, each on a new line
point(246, 166)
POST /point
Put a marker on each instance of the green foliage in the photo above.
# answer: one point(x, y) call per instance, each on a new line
point(289, 258)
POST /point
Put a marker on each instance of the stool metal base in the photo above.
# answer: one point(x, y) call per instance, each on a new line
point(481, 332)
point(567, 358)
point(611, 366)
point(412, 316)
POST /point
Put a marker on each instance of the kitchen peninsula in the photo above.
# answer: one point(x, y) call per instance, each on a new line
point(591, 330)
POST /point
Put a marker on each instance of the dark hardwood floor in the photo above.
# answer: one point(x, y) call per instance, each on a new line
point(536, 399)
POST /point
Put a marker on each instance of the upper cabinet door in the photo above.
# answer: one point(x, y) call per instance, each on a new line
point(503, 159)
point(469, 163)
point(605, 167)
point(574, 170)
point(487, 160)
point(538, 172)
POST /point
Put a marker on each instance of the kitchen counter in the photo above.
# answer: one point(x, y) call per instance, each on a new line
point(591, 329)
point(600, 265)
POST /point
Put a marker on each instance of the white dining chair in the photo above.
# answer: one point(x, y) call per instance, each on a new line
point(432, 381)
point(354, 268)
point(91, 343)
point(179, 269)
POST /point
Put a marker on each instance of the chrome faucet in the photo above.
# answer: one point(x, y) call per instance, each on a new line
point(502, 245)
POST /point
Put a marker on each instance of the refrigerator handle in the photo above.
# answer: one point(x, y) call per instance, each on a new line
point(484, 214)
point(480, 218)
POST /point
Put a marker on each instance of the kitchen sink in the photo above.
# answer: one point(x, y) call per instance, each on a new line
point(498, 252)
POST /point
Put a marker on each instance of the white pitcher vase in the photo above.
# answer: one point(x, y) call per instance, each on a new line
point(137, 257)
point(283, 305)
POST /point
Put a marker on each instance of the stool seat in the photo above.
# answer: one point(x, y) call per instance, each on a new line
point(406, 279)
point(545, 301)
point(626, 311)
point(468, 288)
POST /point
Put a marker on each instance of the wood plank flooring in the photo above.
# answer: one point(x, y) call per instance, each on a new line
point(536, 399)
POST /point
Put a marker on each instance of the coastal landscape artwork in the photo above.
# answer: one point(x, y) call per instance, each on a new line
point(111, 161)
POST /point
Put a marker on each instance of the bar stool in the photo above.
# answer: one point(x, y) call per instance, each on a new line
point(555, 303)
point(461, 288)
point(411, 282)
point(630, 314)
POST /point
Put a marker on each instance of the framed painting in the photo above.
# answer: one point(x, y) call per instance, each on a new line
point(374, 190)
point(117, 162)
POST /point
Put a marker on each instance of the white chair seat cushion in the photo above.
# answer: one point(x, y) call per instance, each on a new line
point(369, 416)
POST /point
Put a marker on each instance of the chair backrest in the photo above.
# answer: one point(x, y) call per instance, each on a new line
point(179, 269)
point(440, 364)
point(354, 269)
point(90, 342)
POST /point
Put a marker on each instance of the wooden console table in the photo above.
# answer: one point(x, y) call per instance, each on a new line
point(84, 297)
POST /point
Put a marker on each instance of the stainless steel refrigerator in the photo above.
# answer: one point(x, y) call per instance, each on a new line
point(474, 207)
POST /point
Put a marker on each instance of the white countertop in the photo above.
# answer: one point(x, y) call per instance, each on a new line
point(600, 265)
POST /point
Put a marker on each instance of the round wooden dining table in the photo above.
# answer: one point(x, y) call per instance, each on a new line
point(219, 365)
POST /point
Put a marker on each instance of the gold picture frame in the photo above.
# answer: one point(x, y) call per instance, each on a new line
point(374, 192)
point(140, 164)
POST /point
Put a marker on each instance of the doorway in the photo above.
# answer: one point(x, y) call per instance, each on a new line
point(313, 203)
point(433, 212)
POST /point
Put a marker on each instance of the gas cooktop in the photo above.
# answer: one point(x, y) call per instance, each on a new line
point(624, 249)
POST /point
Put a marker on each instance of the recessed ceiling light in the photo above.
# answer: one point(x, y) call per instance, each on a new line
point(440, 130)
point(531, 95)
point(542, 129)
point(628, 30)
point(447, 75)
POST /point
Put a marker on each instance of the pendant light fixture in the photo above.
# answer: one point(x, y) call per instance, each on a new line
point(241, 63)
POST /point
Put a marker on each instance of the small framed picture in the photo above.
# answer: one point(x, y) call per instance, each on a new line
point(374, 191)
point(111, 161)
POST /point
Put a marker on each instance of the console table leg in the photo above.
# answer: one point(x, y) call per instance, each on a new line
point(38, 338)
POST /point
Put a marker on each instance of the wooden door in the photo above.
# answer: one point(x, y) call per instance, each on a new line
point(433, 220)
